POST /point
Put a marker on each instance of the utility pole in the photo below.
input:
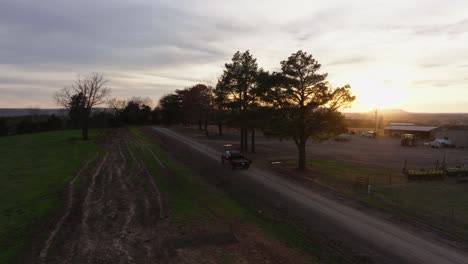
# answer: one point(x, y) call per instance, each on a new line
point(376, 122)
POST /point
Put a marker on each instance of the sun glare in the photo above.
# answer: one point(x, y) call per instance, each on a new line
point(381, 89)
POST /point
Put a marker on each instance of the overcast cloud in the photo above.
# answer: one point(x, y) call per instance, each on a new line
point(409, 51)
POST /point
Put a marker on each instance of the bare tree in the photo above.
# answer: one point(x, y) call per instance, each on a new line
point(141, 100)
point(82, 96)
point(116, 105)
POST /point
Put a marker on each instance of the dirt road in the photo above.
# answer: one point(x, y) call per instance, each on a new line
point(113, 212)
point(387, 242)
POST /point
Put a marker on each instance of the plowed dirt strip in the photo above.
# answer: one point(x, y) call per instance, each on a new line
point(113, 217)
point(71, 191)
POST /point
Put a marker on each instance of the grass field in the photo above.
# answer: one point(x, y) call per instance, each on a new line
point(192, 200)
point(441, 204)
point(34, 172)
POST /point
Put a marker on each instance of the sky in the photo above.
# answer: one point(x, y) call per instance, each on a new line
point(411, 55)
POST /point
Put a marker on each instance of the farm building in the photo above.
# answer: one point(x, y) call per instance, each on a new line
point(458, 135)
point(398, 129)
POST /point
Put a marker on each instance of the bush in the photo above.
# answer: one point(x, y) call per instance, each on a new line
point(27, 125)
point(52, 123)
point(3, 127)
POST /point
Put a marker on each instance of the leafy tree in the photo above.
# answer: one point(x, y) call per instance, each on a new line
point(301, 103)
point(3, 127)
point(135, 110)
point(76, 109)
point(196, 104)
point(83, 95)
point(170, 108)
point(220, 107)
point(237, 85)
point(157, 115)
point(53, 122)
point(103, 119)
point(27, 125)
point(131, 113)
point(145, 114)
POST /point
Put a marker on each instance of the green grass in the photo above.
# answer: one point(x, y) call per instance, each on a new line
point(341, 175)
point(346, 169)
point(443, 205)
point(191, 199)
point(34, 172)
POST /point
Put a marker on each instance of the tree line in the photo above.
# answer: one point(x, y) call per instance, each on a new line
point(294, 103)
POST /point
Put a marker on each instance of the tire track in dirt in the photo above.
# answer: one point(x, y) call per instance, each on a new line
point(86, 205)
point(151, 179)
point(117, 242)
point(71, 190)
point(112, 219)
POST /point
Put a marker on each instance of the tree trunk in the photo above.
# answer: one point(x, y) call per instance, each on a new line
point(199, 124)
point(220, 129)
point(253, 141)
point(206, 124)
point(84, 116)
point(84, 132)
point(242, 139)
point(246, 139)
point(85, 128)
point(302, 155)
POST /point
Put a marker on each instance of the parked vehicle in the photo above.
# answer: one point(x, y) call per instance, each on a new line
point(408, 140)
point(369, 134)
point(235, 159)
point(341, 139)
point(441, 143)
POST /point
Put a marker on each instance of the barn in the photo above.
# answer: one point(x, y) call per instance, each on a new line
point(458, 135)
point(398, 129)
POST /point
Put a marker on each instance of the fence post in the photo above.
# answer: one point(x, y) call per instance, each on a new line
point(404, 166)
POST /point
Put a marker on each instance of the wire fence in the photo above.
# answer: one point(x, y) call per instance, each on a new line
point(438, 205)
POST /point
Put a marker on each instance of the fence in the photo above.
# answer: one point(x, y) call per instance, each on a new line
point(441, 206)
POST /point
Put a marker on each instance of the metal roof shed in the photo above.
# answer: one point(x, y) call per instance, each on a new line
point(421, 131)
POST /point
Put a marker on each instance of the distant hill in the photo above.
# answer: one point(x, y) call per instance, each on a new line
point(402, 116)
point(392, 111)
point(12, 112)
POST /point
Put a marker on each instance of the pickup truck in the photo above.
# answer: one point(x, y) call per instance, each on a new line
point(440, 143)
point(235, 159)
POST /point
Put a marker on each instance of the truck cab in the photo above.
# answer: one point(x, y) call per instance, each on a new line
point(235, 159)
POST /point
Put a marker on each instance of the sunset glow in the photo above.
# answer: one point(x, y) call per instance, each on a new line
point(380, 88)
point(396, 54)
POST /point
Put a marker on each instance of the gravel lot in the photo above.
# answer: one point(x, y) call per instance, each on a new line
point(383, 152)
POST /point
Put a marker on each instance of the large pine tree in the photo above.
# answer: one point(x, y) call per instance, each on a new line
point(303, 106)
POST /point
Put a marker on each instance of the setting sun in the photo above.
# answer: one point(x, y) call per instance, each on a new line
point(380, 88)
